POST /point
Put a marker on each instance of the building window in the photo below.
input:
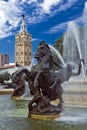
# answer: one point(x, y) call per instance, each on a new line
point(25, 53)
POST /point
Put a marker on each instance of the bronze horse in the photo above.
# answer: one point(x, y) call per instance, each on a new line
point(46, 81)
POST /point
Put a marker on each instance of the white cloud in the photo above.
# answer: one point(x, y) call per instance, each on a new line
point(68, 4)
point(35, 39)
point(8, 14)
point(41, 10)
point(23, 1)
point(48, 4)
point(35, 12)
point(31, 1)
point(63, 26)
point(57, 28)
point(28, 1)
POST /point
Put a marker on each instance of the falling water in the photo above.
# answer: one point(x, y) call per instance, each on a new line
point(85, 33)
point(75, 44)
point(74, 30)
point(85, 13)
point(30, 66)
point(58, 54)
point(27, 91)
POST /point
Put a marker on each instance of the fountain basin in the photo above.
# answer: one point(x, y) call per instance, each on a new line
point(21, 98)
point(6, 90)
point(13, 116)
point(43, 117)
point(75, 93)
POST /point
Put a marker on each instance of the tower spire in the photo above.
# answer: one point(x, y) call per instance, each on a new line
point(22, 16)
point(23, 24)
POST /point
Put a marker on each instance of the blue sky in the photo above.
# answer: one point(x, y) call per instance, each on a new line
point(46, 20)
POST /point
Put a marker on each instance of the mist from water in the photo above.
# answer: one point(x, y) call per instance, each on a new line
point(58, 54)
point(75, 31)
point(76, 35)
point(85, 14)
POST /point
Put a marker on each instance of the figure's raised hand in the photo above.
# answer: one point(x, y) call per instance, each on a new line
point(82, 60)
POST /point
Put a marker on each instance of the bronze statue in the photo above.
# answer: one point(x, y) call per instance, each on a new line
point(46, 84)
point(41, 105)
point(4, 76)
point(18, 81)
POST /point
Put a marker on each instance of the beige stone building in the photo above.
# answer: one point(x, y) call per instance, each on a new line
point(4, 59)
point(23, 46)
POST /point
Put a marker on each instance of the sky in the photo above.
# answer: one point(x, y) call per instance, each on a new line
point(45, 19)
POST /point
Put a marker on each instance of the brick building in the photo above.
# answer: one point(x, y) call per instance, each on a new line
point(4, 59)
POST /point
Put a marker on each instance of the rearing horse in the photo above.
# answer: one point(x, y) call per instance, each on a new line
point(42, 78)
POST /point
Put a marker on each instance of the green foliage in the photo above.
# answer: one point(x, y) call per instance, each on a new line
point(59, 45)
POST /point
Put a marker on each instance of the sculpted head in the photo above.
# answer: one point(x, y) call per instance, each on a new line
point(42, 50)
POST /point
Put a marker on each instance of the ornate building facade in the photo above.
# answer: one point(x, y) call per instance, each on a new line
point(23, 46)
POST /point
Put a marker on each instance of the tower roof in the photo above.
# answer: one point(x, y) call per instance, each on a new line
point(23, 24)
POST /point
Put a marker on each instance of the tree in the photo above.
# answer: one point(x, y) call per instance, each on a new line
point(59, 45)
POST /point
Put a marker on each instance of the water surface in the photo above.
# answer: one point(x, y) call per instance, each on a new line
point(13, 116)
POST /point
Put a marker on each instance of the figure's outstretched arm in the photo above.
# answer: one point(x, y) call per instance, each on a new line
point(79, 69)
point(58, 64)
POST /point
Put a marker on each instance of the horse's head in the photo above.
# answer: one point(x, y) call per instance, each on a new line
point(41, 52)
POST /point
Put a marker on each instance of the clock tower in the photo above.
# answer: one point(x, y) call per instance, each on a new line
point(23, 46)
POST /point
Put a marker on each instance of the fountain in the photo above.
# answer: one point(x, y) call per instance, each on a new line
point(7, 86)
point(58, 55)
point(75, 43)
point(45, 83)
point(13, 113)
point(74, 30)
